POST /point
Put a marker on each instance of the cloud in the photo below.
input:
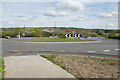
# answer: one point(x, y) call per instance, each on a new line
point(16, 16)
point(18, 20)
point(80, 19)
point(64, 8)
point(114, 13)
point(70, 5)
point(65, 13)
point(110, 24)
point(77, 19)
point(25, 18)
point(108, 15)
point(105, 15)
point(2, 20)
point(53, 13)
point(58, 0)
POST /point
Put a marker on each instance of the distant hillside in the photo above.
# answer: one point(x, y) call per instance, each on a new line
point(58, 31)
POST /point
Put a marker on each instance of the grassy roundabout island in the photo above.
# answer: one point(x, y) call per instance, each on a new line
point(53, 39)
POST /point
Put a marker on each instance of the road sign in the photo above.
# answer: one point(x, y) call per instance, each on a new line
point(75, 35)
point(66, 35)
point(23, 34)
point(70, 35)
point(18, 36)
point(73, 32)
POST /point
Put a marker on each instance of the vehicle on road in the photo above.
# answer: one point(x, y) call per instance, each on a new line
point(7, 37)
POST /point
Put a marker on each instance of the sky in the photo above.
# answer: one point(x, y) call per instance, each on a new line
point(66, 13)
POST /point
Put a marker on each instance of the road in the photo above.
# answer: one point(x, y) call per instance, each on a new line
point(102, 48)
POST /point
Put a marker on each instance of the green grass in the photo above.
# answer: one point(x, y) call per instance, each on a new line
point(107, 60)
point(54, 39)
point(51, 58)
point(2, 66)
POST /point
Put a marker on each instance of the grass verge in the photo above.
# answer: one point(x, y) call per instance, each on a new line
point(2, 67)
point(106, 60)
point(52, 59)
point(86, 67)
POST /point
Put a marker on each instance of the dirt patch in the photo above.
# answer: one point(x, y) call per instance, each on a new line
point(88, 67)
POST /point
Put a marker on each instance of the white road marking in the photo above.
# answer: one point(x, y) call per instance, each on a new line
point(91, 51)
point(67, 42)
point(12, 50)
point(106, 50)
point(117, 49)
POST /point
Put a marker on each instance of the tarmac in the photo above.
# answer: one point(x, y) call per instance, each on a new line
point(32, 66)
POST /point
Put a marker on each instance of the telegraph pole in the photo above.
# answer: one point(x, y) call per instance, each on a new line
point(19, 35)
point(106, 30)
point(54, 23)
point(54, 28)
point(106, 26)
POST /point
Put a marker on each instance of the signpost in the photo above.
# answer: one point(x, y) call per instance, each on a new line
point(73, 32)
point(19, 35)
point(23, 35)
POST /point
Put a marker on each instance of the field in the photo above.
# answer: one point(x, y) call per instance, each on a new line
point(86, 67)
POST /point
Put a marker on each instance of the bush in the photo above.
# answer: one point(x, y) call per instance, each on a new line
point(61, 35)
point(113, 36)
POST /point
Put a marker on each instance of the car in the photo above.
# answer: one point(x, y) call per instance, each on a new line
point(7, 37)
point(85, 37)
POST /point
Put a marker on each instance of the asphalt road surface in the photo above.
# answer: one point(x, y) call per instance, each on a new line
point(102, 48)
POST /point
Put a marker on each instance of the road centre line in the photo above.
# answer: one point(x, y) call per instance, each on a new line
point(117, 49)
point(106, 50)
point(91, 51)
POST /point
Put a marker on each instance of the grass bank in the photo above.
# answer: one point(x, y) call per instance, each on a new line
point(2, 67)
point(86, 67)
point(54, 39)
